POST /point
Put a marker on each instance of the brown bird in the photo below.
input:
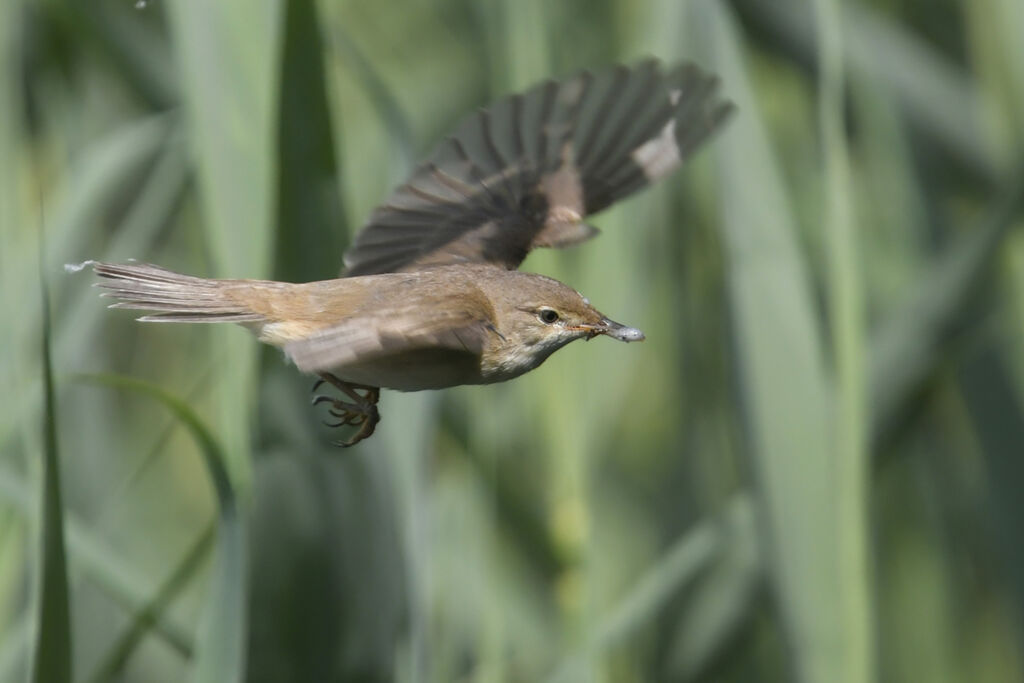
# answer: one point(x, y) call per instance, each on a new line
point(430, 297)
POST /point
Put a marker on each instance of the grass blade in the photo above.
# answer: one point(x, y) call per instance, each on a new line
point(938, 97)
point(220, 644)
point(999, 417)
point(134, 46)
point(226, 52)
point(783, 382)
point(53, 642)
point(685, 561)
point(723, 597)
point(97, 562)
point(16, 643)
point(846, 304)
point(149, 615)
point(908, 348)
point(311, 233)
point(384, 100)
point(100, 173)
point(227, 57)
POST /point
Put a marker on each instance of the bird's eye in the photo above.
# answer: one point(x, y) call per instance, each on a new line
point(548, 316)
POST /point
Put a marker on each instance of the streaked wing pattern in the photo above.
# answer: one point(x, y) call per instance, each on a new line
point(526, 171)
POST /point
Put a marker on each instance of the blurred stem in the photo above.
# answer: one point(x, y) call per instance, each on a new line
point(847, 321)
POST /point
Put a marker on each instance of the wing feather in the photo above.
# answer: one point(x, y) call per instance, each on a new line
point(526, 172)
point(367, 337)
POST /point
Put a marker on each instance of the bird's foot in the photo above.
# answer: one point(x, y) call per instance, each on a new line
point(360, 412)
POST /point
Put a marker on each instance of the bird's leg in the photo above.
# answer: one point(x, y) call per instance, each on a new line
point(360, 412)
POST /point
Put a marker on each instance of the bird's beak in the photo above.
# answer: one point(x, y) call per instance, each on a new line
point(615, 331)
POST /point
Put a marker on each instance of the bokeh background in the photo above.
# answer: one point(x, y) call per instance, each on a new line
point(810, 471)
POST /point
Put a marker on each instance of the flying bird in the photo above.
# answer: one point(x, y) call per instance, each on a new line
point(430, 296)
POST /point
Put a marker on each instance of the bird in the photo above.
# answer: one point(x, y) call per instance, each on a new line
point(430, 295)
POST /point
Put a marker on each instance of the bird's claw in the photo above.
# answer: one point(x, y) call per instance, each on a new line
point(361, 412)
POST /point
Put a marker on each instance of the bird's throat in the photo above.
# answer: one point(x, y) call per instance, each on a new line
point(511, 360)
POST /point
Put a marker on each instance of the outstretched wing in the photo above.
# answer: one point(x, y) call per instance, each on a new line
point(525, 172)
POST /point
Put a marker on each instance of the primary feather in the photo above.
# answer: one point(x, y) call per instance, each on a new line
point(526, 171)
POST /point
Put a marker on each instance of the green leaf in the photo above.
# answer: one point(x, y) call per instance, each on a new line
point(228, 61)
point(227, 56)
point(939, 97)
point(97, 562)
point(909, 347)
point(784, 387)
point(53, 640)
point(381, 96)
point(220, 644)
point(999, 418)
point(135, 46)
point(143, 621)
point(849, 452)
point(311, 232)
point(328, 584)
point(722, 597)
point(15, 647)
point(684, 562)
point(156, 200)
point(95, 179)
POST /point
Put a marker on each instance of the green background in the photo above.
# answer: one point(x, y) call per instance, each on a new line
point(811, 470)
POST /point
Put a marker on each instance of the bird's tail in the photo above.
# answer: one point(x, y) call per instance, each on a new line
point(171, 297)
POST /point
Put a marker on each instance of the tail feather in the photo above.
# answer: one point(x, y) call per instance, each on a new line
point(172, 297)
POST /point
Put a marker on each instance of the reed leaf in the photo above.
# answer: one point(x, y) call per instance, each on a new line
point(220, 642)
point(53, 653)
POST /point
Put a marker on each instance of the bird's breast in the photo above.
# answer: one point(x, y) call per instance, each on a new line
point(416, 370)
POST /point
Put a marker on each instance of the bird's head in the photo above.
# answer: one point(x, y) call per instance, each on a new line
point(538, 315)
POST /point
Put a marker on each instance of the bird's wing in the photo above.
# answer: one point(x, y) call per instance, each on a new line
point(526, 171)
point(368, 335)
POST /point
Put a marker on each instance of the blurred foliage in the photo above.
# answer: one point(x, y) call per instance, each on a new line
point(810, 471)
